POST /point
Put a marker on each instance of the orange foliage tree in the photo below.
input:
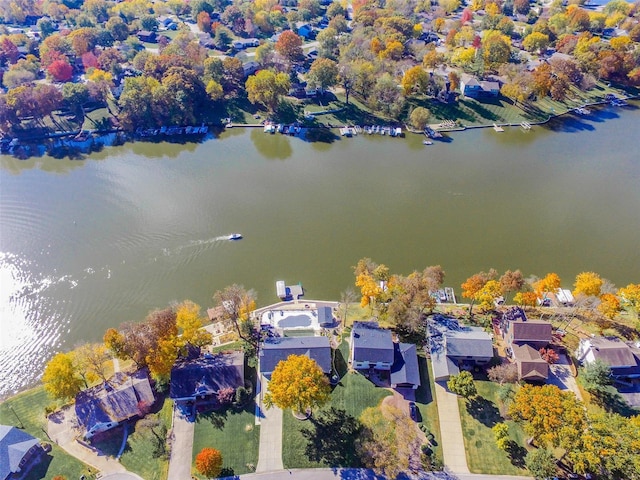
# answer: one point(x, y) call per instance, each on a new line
point(609, 305)
point(549, 284)
point(630, 295)
point(472, 287)
point(209, 462)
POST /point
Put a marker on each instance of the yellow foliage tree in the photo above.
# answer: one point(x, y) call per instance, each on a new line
point(609, 305)
point(474, 285)
point(488, 293)
point(630, 296)
point(414, 80)
point(60, 378)
point(549, 284)
point(588, 284)
point(189, 322)
point(297, 383)
point(526, 299)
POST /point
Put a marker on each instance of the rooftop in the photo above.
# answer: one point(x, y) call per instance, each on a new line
point(275, 350)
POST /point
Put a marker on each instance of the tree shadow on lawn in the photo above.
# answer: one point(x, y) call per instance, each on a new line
point(353, 115)
point(613, 402)
point(424, 394)
point(484, 411)
point(516, 454)
point(482, 111)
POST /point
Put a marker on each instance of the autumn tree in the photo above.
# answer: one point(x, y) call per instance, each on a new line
point(289, 45)
point(189, 323)
point(370, 278)
point(91, 360)
point(237, 303)
point(60, 71)
point(474, 285)
point(525, 299)
point(496, 49)
point(609, 305)
point(549, 284)
point(503, 373)
point(389, 442)
point(488, 294)
point(587, 284)
point(60, 378)
point(551, 416)
point(267, 88)
point(414, 80)
point(462, 384)
point(209, 462)
point(630, 296)
point(501, 435)
point(536, 42)
point(549, 355)
point(511, 281)
point(297, 383)
point(419, 118)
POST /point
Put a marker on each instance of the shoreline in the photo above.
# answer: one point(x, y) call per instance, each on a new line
point(67, 145)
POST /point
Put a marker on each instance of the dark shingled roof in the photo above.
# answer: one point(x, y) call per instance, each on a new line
point(14, 445)
point(404, 370)
point(278, 349)
point(613, 351)
point(325, 316)
point(531, 331)
point(119, 399)
point(531, 365)
point(207, 375)
point(371, 343)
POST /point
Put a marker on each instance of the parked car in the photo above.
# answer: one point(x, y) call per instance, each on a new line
point(413, 411)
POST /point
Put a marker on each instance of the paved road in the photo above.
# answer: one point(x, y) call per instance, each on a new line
point(455, 457)
point(181, 447)
point(361, 474)
point(270, 457)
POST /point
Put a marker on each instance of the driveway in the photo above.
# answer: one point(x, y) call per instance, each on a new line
point(560, 376)
point(455, 456)
point(270, 457)
point(362, 474)
point(181, 447)
point(62, 427)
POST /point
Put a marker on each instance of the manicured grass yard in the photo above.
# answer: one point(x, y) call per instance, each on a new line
point(477, 417)
point(426, 402)
point(29, 408)
point(234, 433)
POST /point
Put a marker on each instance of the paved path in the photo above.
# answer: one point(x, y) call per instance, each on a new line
point(181, 447)
point(270, 457)
point(63, 430)
point(455, 458)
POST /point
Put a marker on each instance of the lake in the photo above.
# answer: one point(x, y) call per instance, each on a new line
point(88, 244)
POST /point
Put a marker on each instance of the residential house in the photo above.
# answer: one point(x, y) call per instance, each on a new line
point(453, 347)
point(305, 30)
point(250, 68)
point(531, 366)
point(109, 404)
point(147, 36)
point(243, 43)
point(19, 451)
point(518, 332)
point(373, 349)
point(276, 349)
point(371, 346)
point(405, 372)
point(198, 381)
point(472, 87)
point(623, 357)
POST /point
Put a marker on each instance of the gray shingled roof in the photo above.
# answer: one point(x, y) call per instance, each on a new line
point(474, 342)
point(207, 375)
point(371, 343)
point(405, 368)
point(278, 349)
point(14, 444)
point(531, 331)
point(613, 351)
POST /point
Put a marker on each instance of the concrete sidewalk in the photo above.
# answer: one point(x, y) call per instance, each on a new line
point(181, 447)
point(455, 458)
point(270, 457)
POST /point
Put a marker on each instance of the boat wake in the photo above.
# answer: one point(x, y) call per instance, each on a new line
point(203, 243)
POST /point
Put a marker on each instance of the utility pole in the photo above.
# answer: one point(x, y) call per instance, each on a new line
point(16, 415)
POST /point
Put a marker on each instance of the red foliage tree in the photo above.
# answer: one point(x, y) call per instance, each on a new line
point(209, 462)
point(289, 45)
point(226, 396)
point(467, 16)
point(549, 355)
point(204, 22)
point(89, 60)
point(60, 70)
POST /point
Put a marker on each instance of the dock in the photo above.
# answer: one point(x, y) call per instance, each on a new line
point(526, 125)
point(497, 128)
point(289, 292)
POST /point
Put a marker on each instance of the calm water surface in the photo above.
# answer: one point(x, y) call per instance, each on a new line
point(86, 245)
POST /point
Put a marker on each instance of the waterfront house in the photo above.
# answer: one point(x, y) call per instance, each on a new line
point(19, 451)
point(453, 347)
point(371, 347)
point(405, 372)
point(277, 349)
point(472, 87)
point(623, 357)
point(531, 366)
point(147, 36)
point(197, 381)
point(109, 404)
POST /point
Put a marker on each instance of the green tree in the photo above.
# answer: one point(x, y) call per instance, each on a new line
point(596, 376)
point(419, 118)
point(496, 49)
point(267, 88)
point(323, 73)
point(541, 463)
point(536, 41)
point(462, 384)
point(60, 378)
point(297, 383)
point(501, 435)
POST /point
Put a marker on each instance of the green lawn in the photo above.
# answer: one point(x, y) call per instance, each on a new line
point(353, 394)
point(234, 433)
point(138, 455)
point(477, 418)
point(27, 410)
